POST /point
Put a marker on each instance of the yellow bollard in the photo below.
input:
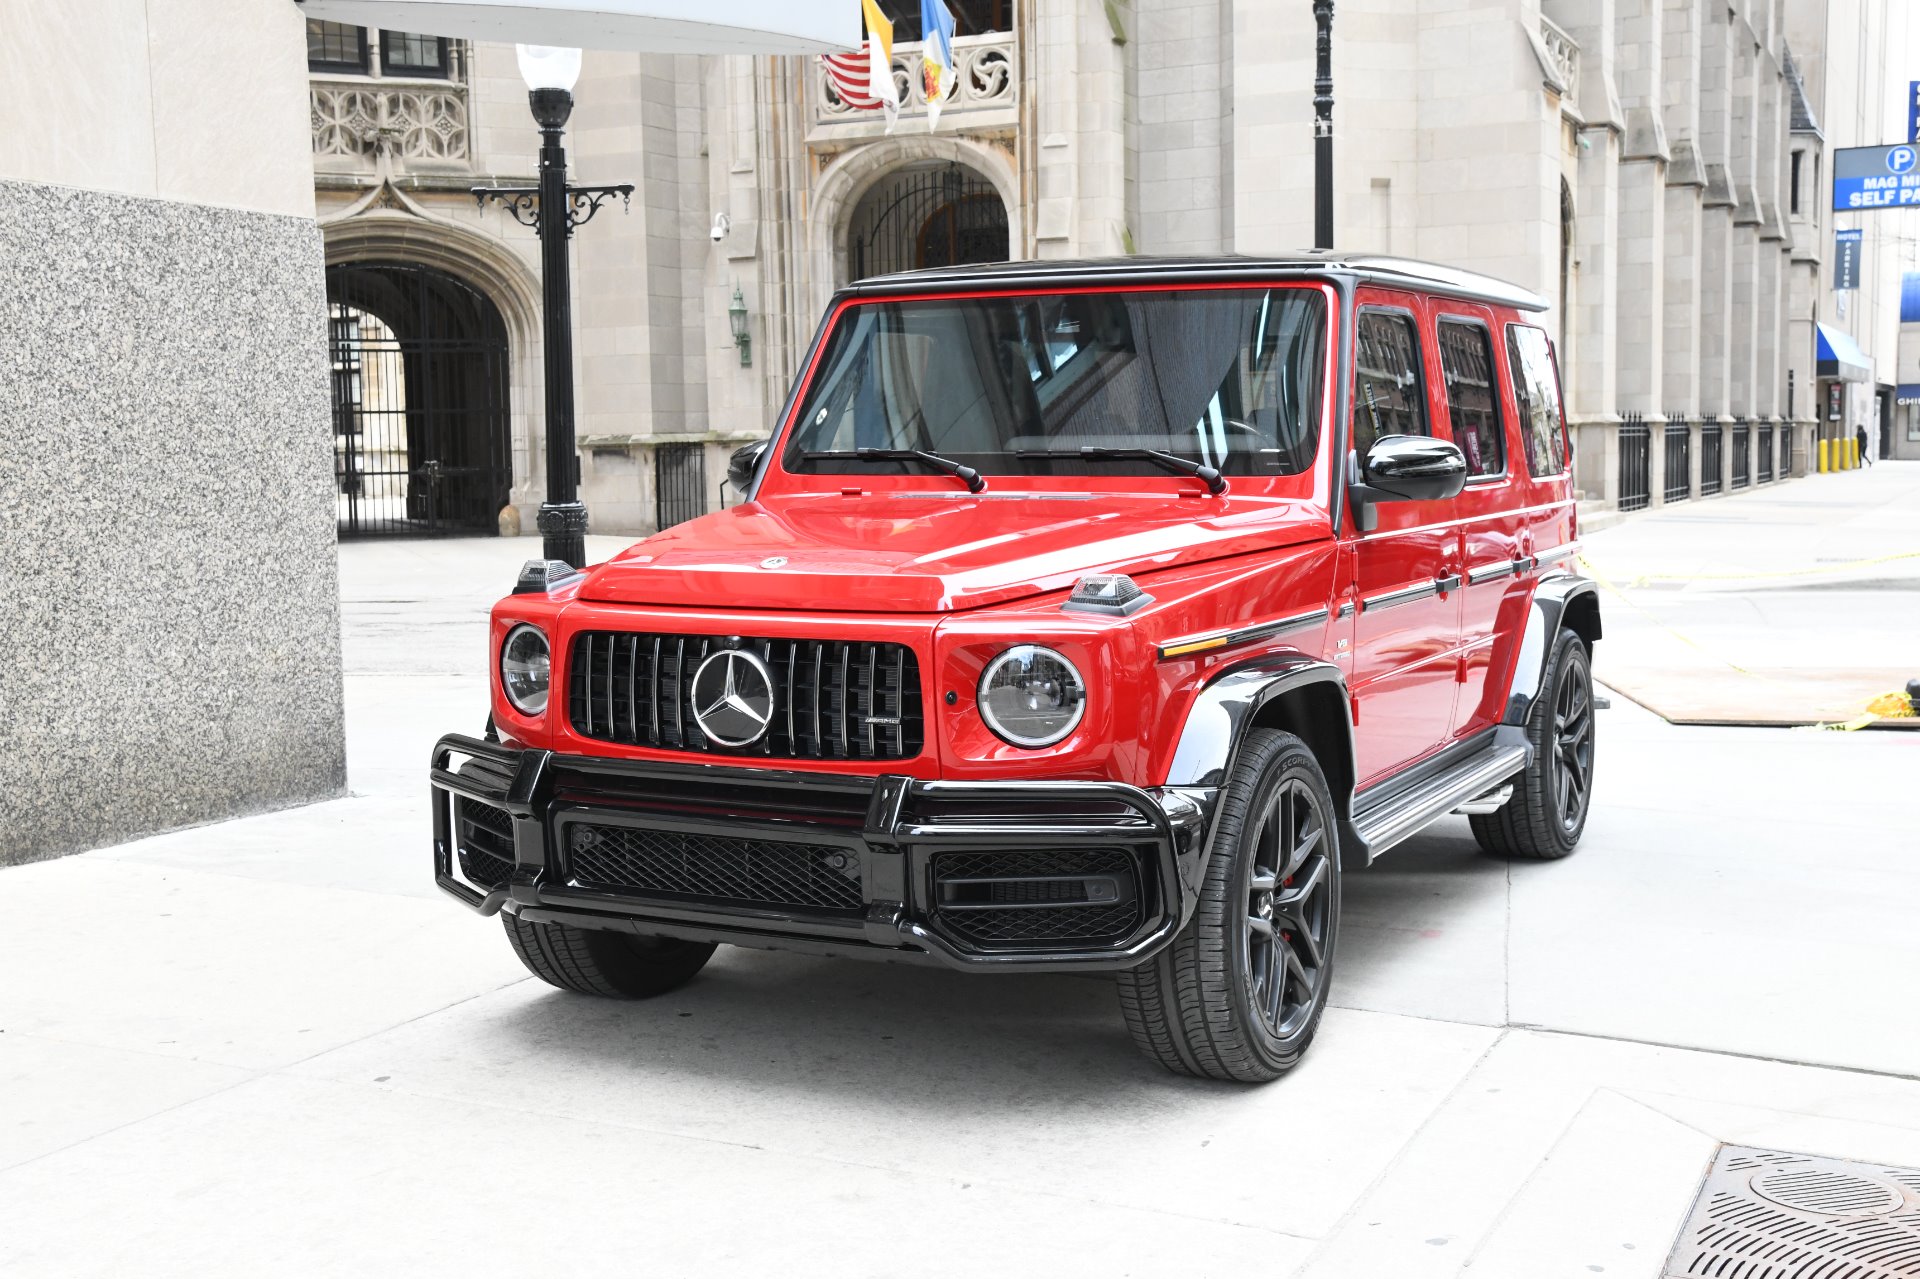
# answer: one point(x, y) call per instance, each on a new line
point(1853, 455)
point(1822, 462)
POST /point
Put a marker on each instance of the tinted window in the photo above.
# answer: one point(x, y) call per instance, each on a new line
point(1387, 397)
point(1473, 400)
point(1536, 392)
point(1019, 385)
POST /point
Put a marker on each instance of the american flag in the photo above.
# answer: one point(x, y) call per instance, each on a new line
point(852, 78)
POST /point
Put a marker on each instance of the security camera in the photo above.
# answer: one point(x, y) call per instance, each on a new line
point(721, 225)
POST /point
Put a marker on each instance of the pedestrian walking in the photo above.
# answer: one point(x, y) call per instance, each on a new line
point(1860, 436)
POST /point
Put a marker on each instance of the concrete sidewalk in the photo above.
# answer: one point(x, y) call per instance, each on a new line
point(270, 1047)
point(1780, 605)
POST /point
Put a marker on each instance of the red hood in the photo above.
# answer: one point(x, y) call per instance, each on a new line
point(891, 552)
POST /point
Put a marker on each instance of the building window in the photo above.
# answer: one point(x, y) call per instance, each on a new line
point(1473, 401)
point(1793, 184)
point(1536, 392)
point(1388, 398)
point(404, 53)
point(336, 46)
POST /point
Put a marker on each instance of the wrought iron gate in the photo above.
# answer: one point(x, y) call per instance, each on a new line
point(928, 218)
point(420, 438)
point(679, 483)
point(1636, 462)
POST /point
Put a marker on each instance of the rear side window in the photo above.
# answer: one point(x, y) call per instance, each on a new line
point(1473, 399)
point(1536, 391)
point(1387, 395)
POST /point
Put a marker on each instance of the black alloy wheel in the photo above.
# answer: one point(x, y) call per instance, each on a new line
point(1552, 796)
point(1239, 992)
point(1572, 746)
point(1289, 908)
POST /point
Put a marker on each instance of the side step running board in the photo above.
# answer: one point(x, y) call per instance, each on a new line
point(1405, 814)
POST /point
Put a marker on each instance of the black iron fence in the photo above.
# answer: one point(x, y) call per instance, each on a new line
point(1742, 453)
point(1712, 442)
point(1764, 454)
point(1677, 441)
point(1636, 462)
point(679, 483)
point(1786, 450)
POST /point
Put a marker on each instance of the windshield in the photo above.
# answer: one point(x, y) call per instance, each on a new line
point(1229, 378)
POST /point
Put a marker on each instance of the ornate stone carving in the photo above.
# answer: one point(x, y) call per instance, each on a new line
point(413, 123)
point(1564, 51)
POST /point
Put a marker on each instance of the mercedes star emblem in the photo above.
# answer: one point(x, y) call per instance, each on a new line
point(733, 698)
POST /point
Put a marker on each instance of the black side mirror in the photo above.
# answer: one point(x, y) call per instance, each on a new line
point(1407, 468)
point(745, 464)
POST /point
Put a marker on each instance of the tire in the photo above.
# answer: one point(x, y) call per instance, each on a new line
point(1548, 812)
point(1204, 1006)
point(595, 961)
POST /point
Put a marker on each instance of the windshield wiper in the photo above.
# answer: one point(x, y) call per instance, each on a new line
point(1210, 476)
point(965, 474)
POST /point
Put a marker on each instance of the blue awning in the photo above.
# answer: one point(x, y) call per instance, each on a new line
point(1840, 356)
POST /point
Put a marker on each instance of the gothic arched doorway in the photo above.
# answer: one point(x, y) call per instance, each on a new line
point(927, 216)
point(420, 420)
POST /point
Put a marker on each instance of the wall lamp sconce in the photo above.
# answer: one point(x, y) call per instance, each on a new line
point(737, 317)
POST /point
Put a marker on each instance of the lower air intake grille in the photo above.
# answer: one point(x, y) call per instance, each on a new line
point(747, 872)
point(484, 835)
point(1034, 898)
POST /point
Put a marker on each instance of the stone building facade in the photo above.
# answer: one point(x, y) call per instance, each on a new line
point(1653, 167)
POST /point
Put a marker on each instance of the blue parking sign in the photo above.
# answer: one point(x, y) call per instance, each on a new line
point(1913, 111)
point(1876, 177)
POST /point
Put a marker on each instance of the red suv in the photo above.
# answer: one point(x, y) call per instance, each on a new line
point(1079, 616)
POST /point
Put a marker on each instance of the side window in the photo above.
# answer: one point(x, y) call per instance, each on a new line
point(1536, 392)
point(1473, 399)
point(1387, 396)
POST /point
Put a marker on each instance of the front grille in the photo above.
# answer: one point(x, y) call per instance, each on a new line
point(832, 699)
point(748, 872)
point(1032, 898)
point(484, 835)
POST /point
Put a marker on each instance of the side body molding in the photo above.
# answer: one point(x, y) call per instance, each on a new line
point(1301, 694)
point(1563, 599)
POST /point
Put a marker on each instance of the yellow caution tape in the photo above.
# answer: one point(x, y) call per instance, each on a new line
point(1892, 706)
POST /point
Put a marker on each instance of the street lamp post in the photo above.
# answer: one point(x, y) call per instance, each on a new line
point(553, 209)
point(1323, 126)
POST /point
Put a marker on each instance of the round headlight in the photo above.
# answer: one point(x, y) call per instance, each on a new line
point(1032, 696)
point(526, 669)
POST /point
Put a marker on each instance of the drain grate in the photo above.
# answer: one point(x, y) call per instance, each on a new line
point(1769, 1214)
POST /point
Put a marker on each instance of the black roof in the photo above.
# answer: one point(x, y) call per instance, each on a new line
point(1372, 268)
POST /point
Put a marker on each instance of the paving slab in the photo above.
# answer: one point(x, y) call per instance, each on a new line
point(297, 1176)
point(1784, 605)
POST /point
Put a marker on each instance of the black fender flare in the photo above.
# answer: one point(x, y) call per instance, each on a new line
point(1561, 599)
point(1304, 695)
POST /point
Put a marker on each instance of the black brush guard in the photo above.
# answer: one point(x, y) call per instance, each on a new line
point(894, 826)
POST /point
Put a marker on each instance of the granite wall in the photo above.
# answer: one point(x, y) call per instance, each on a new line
point(169, 618)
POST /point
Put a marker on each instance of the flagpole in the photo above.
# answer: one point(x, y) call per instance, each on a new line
point(1323, 127)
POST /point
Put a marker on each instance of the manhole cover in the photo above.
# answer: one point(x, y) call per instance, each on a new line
point(1769, 1214)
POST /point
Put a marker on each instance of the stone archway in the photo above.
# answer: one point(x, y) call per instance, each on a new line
point(384, 234)
point(852, 174)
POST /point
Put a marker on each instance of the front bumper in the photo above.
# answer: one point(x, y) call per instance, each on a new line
point(889, 833)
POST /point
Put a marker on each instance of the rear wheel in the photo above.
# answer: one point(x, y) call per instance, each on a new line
point(595, 961)
point(1548, 812)
point(1239, 993)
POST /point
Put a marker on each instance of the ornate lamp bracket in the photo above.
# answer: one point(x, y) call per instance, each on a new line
point(582, 202)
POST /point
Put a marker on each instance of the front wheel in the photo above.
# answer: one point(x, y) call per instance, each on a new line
point(1548, 812)
point(595, 961)
point(1239, 993)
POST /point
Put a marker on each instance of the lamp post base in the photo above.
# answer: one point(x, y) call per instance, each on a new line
point(563, 532)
